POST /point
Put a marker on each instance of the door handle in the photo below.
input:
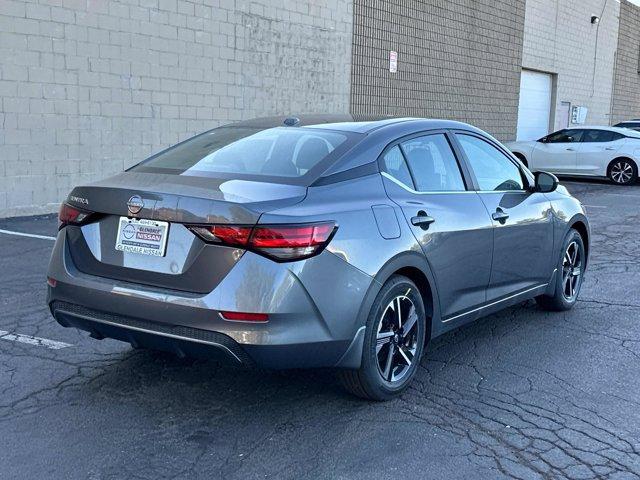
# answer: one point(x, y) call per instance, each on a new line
point(500, 215)
point(571, 149)
point(422, 220)
point(609, 148)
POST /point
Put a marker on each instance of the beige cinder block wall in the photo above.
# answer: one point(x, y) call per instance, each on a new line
point(559, 38)
point(88, 87)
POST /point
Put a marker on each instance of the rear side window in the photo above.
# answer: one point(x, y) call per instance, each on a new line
point(598, 136)
point(395, 166)
point(433, 164)
point(275, 152)
point(492, 168)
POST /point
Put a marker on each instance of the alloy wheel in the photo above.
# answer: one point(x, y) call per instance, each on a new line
point(621, 172)
point(397, 339)
point(571, 271)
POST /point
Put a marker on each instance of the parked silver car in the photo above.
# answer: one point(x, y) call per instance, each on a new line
point(316, 242)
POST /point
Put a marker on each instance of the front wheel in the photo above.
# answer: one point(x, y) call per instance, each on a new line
point(622, 172)
point(569, 275)
point(393, 344)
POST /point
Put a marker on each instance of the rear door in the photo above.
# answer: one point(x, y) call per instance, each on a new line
point(423, 176)
point(522, 219)
point(597, 148)
point(557, 152)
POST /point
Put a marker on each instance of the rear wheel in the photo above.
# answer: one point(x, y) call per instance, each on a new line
point(569, 274)
point(393, 344)
point(622, 171)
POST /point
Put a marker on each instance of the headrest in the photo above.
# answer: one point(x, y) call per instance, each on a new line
point(311, 152)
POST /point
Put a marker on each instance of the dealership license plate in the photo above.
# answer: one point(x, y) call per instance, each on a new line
point(146, 237)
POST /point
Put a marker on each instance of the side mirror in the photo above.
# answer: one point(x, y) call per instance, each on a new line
point(545, 182)
point(543, 140)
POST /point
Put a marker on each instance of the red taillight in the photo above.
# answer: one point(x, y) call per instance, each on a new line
point(226, 234)
point(245, 317)
point(280, 242)
point(69, 215)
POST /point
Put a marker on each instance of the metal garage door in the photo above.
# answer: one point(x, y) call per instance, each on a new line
point(535, 105)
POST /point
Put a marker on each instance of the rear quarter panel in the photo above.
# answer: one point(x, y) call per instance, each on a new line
point(358, 243)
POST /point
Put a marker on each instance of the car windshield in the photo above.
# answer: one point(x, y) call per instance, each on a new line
point(253, 152)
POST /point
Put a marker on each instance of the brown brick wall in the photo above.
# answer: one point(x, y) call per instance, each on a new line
point(457, 59)
point(626, 88)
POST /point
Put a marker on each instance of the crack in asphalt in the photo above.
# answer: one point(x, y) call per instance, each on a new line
point(521, 394)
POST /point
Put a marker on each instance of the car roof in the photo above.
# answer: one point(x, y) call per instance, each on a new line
point(348, 122)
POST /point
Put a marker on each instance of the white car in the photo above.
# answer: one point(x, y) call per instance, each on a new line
point(590, 151)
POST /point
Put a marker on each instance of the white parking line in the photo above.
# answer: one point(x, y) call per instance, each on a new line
point(28, 339)
point(31, 235)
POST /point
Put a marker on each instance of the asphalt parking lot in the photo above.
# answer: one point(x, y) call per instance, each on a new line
point(521, 394)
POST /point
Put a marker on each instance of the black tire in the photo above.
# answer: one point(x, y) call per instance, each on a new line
point(622, 171)
point(368, 382)
point(561, 300)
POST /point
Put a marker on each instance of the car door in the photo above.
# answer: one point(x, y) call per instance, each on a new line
point(556, 152)
point(522, 219)
point(596, 149)
point(423, 177)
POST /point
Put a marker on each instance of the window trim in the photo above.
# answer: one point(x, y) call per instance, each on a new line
point(467, 180)
point(526, 176)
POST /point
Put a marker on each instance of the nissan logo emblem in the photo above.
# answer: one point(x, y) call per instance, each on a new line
point(135, 204)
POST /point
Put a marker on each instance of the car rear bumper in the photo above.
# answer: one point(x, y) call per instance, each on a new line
point(192, 342)
point(304, 330)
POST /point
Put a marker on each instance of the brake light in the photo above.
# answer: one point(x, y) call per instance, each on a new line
point(279, 242)
point(69, 215)
point(227, 234)
point(245, 317)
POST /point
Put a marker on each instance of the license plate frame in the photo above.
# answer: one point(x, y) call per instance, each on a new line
point(142, 236)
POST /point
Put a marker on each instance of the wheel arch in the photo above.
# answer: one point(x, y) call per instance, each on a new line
point(580, 223)
point(622, 157)
point(414, 266)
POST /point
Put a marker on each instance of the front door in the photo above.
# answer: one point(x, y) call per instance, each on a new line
point(522, 219)
point(450, 222)
point(556, 152)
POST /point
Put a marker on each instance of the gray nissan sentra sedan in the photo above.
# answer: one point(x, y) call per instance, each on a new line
point(316, 242)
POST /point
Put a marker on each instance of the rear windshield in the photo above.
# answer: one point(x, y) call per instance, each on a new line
point(243, 152)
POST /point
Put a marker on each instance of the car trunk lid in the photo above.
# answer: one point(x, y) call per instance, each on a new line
point(188, 263)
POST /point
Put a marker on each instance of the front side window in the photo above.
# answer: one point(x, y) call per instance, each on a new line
point(433, 164)
point(564, 136)
point(493, 169)
point(274, 152)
